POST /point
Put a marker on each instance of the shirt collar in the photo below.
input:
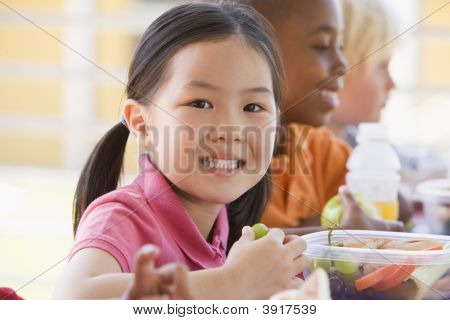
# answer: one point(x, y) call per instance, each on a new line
point(170, 211)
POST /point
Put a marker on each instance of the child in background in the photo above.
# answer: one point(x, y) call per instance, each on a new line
point(311, 165)
point(203, 98)
point(369, 25)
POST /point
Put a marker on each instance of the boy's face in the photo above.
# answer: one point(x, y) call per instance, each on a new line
point(311, 48)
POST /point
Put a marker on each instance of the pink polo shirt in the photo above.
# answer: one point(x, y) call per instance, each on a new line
point(149, 211)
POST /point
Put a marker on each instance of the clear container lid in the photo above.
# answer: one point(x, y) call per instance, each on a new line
point(438, 189)
point(318, 248)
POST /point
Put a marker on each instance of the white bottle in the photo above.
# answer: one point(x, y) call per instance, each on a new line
point(373, 169)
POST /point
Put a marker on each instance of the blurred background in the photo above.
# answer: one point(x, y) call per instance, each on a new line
point(56, 102)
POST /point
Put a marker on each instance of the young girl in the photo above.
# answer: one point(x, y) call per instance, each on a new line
point(311, 164)
point(203, 96)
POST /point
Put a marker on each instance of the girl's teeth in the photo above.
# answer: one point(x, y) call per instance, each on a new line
point(220, 163)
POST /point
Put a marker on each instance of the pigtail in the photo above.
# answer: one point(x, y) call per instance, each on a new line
point(101, 172)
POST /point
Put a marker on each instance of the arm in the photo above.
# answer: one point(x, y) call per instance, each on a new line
point(353, 218)
point(95, 274)
point(92, 274)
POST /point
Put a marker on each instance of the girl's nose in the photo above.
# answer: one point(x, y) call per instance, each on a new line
point(228, 125)
point(226, 133)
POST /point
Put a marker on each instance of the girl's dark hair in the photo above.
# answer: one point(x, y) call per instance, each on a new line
point(178, 27)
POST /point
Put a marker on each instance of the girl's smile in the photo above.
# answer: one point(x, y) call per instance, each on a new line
point(222, 165)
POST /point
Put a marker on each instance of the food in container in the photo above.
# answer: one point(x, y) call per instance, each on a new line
point(382, 265)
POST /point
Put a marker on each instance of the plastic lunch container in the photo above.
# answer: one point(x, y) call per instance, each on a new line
point(365, 264)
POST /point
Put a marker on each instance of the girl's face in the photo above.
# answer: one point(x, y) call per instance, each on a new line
point(365, 93)
point(213, 133)
point(311, 48)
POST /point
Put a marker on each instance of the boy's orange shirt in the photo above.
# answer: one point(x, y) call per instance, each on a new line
point(307, 174)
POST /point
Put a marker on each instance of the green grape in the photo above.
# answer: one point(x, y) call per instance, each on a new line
point(260, 230)
point(346, 267)
point(351, 277)
point(325, 264)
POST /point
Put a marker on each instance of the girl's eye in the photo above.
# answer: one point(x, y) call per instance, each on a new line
point(252, 108)
point(201, 104)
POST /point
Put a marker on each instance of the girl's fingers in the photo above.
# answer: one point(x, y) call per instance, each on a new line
point(289, 238)
point(146, 256)
point(248, 235)
point(174, 281)
point(182, 290)
point(300, 264)
point(276, 233)
point(144, 282)
point(169, 281)
point(167, 274)
point(296, 246)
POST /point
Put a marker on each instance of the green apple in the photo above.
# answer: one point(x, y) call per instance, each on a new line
point(333, 210)
point(260, 230)
point(332, 213)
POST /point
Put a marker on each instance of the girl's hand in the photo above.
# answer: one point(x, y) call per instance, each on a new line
point(260, 268)
point(167, 282)
point(355, 218)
